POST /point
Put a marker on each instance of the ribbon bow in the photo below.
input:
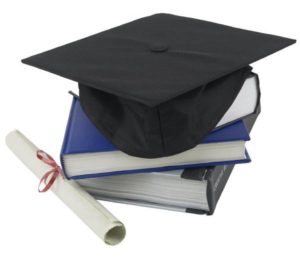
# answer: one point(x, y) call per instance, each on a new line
point(53, 173)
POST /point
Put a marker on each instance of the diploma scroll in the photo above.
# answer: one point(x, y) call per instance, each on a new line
point(90, 211)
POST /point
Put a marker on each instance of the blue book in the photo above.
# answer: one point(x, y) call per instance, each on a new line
point(86, 153)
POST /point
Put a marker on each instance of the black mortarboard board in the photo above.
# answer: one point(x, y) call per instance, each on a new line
point(158, 85)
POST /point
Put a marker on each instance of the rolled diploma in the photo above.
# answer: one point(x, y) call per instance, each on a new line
point(90, 211)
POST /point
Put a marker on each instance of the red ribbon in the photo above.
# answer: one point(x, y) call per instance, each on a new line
point(52, 174)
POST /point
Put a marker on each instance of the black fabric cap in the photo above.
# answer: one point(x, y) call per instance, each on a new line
point(156, 86)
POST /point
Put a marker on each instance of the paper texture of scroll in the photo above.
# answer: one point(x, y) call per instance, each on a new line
point(90, 211)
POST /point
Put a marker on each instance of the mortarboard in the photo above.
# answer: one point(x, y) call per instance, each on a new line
point(158, 85)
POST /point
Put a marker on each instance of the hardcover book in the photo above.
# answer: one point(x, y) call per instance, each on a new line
point(87, 153)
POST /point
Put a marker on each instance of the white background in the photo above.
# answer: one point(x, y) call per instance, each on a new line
point(258, 215)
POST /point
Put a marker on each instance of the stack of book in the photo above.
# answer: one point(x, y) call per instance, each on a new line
point(191, 181)
point(165, 107)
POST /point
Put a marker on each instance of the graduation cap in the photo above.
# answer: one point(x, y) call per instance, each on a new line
point(158, 85)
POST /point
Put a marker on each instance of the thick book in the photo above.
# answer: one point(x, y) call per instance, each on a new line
point(86, 153)
point(191, 190)
point(181, 190)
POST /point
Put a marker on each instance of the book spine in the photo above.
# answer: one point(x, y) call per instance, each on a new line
point(216, 178)
point(215, 185)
